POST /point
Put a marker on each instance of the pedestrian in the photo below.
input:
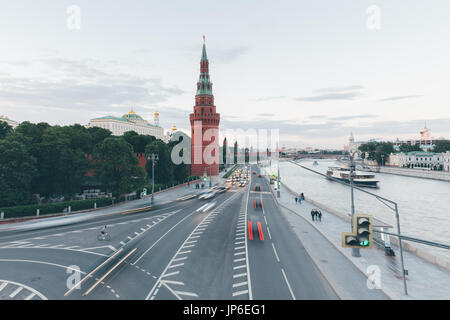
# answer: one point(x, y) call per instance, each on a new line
point(312, 214)
point(303, 196)
point(299, 200)
point(295, 199)
point(319, 213)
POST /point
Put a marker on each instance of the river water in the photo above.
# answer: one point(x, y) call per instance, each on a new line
point(424, 205)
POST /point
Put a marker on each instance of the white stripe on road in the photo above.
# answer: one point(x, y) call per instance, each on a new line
point(240, 293)
point(239, 275)
point(239, 267)
point(3, 285)
point(287, 282)
point(30, 296)
point(240, 284)
point(15, 292)
point(275, 251)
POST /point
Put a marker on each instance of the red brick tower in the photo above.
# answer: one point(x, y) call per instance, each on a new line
point(204, 125)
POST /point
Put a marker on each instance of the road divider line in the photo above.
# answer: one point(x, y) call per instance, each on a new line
point(287, 282)
point(15, 292)
point(275, 251)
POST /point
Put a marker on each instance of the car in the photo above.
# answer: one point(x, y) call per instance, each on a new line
point(254, 172)
point(257, 187)
point(259, 175)
point(209, 195)
point(205, 194)
point(221, 189)
point(258, 203)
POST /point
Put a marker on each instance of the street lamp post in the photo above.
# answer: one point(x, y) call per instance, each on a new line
point(355, 251)
point(153, 157)
point(210, 183)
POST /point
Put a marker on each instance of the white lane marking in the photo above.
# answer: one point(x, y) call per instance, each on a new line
point(160, 281)
point(189, 246)
point(170, 274)
point(3, 285)
point(202, 207)
point(240, 284)
point(185, 293)
point(250, 294)
point(239, 242)
point(265, 220)
point(15, 292)
point(25, 286)
point(174, 282)
point(179, 259)
point(192, 237)
point(239, 248)
point(177, 265)
point(58, 245)
point(240, 293)
point(39, 238)
point(240, 275)
point(30, 296)
point(268, 232)
point(184, 252)
point(122, 243)
point(239, 253)
point(72, 247)
point(275, 251)
point(238, 260)
point(173, 227)
point(287, 282)
point(192, 241)
point(239, 267)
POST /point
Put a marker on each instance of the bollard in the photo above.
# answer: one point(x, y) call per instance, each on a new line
point(2, 215)
point(95, 205)
point(70, 209)
point(37, 212)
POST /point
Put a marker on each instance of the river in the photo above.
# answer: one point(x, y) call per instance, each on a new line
point(424, 205)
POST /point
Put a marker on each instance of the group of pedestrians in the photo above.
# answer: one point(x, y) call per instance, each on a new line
point(298, 199)
point(316, 215)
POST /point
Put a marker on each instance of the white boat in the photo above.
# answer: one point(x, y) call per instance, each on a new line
point(362, 179)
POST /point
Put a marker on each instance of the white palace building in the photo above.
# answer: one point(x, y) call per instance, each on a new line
point(129, 122)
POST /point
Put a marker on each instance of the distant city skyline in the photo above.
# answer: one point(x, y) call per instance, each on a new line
point(314, 70)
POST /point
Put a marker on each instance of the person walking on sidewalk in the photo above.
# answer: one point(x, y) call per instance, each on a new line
point(299, 200)
point(313, 213)
point(319, 214)
point(295, 199)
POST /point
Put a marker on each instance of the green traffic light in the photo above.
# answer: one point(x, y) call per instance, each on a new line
point(364, 243)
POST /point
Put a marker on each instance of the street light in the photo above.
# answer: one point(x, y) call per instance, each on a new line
point(153, 157)
point(355, 251)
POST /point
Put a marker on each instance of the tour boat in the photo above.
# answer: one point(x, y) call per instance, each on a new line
point(361, 179)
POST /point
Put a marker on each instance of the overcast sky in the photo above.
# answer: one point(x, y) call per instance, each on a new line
point(315, 70)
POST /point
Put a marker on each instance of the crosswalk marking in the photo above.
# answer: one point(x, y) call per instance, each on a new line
point(15, 292)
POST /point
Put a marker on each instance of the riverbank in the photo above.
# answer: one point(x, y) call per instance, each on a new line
point(416, 173)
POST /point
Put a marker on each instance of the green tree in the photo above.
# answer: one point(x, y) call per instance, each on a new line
point(97, 135)
point(163, 167)
point(370, 148)
point(139, 142)
point(117, 167)
point(62, 161)
point(409, 148)
point(382, 152)
point(17, 169)
point(5, 129)
point(442, 146)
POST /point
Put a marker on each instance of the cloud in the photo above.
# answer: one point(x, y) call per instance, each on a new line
point(340, 89)
point(271, 98)
point(400, 98)
point(76, 85)
point(361, 116)
point(331, 96)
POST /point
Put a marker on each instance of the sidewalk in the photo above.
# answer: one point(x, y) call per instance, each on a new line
point(424, 280)
point(160, 198)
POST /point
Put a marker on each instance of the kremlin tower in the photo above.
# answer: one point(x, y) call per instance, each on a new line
point(204, 125)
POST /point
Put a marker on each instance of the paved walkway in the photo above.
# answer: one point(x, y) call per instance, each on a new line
point(424, 280)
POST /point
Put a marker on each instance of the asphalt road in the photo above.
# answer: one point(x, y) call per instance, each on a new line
point(187, 249)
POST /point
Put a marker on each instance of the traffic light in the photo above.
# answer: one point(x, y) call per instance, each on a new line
point(362, 233)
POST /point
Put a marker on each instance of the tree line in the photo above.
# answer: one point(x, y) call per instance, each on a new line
point(380, 151)
point(54, 160)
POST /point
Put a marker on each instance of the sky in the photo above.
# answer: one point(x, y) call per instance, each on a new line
point(315, 70)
